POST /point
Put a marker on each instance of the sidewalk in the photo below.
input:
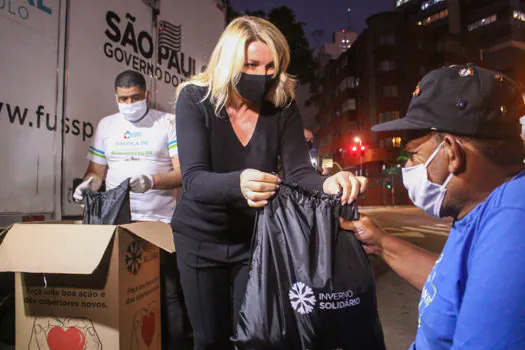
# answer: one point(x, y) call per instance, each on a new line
point(397, 304)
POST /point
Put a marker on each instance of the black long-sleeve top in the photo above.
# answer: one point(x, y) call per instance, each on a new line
point(212, 159)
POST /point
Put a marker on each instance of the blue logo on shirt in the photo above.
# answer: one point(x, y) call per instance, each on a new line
point(429, 291)
point(128, 134)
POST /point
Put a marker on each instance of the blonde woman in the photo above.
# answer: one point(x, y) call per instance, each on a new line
point(233, 122)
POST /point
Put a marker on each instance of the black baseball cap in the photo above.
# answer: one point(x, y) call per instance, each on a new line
point(463, 100)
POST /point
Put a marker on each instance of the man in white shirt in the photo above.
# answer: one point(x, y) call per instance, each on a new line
point(137, 143)
point(140, 143)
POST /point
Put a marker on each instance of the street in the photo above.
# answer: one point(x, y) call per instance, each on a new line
point(397, 300)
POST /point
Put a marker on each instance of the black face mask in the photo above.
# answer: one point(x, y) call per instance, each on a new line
point(254, 87)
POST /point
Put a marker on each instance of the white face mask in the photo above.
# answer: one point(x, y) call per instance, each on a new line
point(423, 193)
point(133, 111)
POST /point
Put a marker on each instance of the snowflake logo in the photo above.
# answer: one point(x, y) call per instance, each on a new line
point(302, 298)
point(133, 257)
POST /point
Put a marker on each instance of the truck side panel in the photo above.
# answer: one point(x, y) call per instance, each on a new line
point(198, 23)
point(45, 95)
point(29, 125)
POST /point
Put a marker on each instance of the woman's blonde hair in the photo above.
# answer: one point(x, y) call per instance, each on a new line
point(228, 59)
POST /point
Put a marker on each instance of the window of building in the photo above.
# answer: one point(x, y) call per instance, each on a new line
point(520, 16)
point(396, 142)
point(350, 82)
point(387, 40)
point(433, 18)
point(347, 83)
point(387, 116)
point(345, 43)
point(349, 105)
point(482, 22)
point(390, 91)
point(401, 2)
point(429, 3)
point(387, 66)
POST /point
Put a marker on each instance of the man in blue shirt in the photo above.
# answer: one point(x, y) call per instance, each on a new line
point(466, 163)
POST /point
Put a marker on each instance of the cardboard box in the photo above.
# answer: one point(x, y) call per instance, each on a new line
point(86, 286)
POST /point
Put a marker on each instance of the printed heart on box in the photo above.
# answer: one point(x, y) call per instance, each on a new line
point(148, 327)
point(70, 339)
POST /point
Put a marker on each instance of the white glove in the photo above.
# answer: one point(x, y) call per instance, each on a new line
point(86, 185)
point(141, 183)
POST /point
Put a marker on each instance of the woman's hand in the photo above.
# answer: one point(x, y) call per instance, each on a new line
point(257, 187)
point(350, 184)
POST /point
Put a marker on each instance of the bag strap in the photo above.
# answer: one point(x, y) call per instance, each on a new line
point(347, 212)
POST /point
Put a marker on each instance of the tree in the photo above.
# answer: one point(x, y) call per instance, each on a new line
point(231, 14)
point(302, 64)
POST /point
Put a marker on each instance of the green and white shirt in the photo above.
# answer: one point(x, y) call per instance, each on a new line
point(144, 147)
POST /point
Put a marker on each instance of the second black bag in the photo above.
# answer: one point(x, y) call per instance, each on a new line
point(310, 284)
point(108, 208)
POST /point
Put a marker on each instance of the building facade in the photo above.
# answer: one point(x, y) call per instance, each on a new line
point(495, 27)
point(372, 82)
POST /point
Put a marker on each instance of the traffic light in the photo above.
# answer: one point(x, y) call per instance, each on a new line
point(363, 149)
point(389, 185)
point(354, 151)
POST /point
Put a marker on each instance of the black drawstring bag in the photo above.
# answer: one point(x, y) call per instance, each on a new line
point(310, 284)
point(107, 208)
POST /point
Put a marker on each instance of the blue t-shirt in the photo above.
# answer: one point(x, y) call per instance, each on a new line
point(474, 297)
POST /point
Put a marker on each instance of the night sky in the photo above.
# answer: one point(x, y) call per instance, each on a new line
point(326, 15)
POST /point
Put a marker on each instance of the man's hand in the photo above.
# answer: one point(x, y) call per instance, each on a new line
point(141, 183)
point(350, 184)
point(86, 185)
point(406, 259)
point(257, 187)
point(367, 232)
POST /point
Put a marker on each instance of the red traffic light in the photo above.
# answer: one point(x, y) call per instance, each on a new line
point(363, 149)
point(354, 150)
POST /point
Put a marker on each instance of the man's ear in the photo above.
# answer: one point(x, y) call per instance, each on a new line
point(455, 154)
